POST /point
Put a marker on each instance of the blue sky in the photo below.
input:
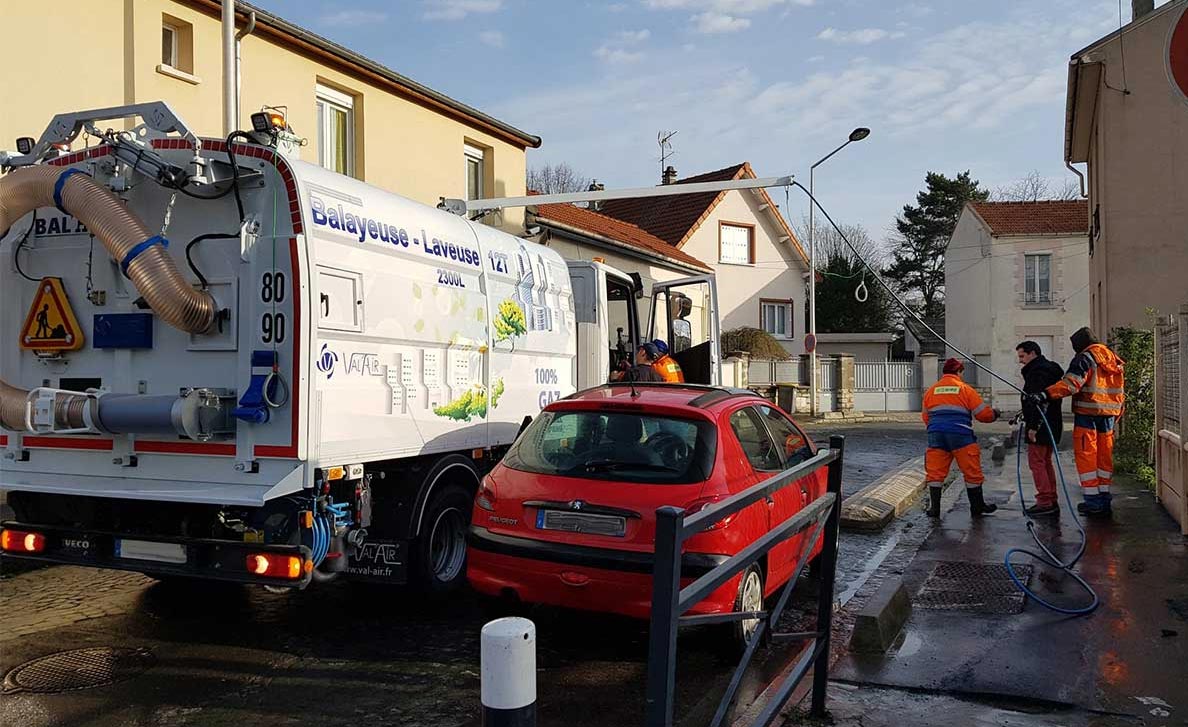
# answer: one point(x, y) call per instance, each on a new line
point(945, 85)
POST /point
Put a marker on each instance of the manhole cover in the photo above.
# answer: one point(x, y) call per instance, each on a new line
point(980, 587)
point(69, 671)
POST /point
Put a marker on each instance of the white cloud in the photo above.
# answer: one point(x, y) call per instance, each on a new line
point(623, 46)
point(725, 7)
point(344, 18)
point(713, 22)
point(493, 38)
point(615, 7)
point(815, 59)
point(916, 10)
point(863, 36)
point(458, 9)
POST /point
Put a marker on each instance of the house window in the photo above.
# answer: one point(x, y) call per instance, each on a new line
point(1037, 269)
point(775, 316)
point(476, 167)
point(336, 130)
point(736, 244)
point(177, 49)
point(169, 35)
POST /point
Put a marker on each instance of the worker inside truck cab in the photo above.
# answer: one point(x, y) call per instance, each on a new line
point(665, 365)
point(950, 407)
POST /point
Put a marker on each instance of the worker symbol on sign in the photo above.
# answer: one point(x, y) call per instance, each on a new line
point(51, 325)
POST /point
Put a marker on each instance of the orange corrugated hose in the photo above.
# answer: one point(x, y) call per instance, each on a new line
point(152, 272)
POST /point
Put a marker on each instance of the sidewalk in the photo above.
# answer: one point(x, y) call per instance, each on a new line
point(1127, 661)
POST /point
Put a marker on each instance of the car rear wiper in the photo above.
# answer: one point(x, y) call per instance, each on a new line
point(606, 465)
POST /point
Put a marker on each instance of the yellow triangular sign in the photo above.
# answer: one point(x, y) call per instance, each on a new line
point(51, 325)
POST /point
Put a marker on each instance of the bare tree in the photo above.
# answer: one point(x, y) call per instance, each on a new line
point(830, 244)
point(1034, 188)
point(557, 179)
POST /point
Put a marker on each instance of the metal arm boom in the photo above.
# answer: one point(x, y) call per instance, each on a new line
point(462, 207)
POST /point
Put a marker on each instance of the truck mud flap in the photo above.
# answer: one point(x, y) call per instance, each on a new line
point(381, 561)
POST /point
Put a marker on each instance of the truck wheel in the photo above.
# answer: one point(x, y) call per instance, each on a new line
point(440, 550)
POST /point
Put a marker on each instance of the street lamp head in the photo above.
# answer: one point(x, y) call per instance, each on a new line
point(859, 134)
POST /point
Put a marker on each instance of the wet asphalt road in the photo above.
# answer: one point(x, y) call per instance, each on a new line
point(349, 654)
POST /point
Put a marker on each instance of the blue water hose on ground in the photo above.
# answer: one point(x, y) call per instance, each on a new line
point(1047, 557)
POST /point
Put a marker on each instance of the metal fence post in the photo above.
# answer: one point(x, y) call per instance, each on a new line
point(828, 578)
point(662, 635)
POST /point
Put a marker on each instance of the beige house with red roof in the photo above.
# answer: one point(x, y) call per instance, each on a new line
point(739, 235)
point(1016, 271)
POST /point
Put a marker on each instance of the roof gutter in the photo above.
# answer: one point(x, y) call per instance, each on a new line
point(315, 45)
point(596, 239)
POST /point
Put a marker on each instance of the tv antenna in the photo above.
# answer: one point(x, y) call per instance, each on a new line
point(663, 138)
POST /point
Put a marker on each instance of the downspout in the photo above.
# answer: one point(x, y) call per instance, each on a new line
point(247, 30)
point(230, 75)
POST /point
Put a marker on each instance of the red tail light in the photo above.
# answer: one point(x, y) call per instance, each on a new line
point(273, 565)
point(485, 498)
point(702, 503)
point(21, 541)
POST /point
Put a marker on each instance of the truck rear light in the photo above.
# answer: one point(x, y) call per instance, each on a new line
point(21, 541)
point(274, 565)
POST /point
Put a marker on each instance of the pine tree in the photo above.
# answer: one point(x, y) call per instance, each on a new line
point(918, 255)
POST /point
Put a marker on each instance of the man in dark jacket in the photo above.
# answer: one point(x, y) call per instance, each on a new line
point(1038, 374)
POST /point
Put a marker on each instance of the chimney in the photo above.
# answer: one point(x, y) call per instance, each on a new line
point(595, 186)
point(1140, 8)
point(669, 176)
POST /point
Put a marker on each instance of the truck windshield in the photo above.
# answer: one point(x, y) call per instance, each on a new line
point(621, 446)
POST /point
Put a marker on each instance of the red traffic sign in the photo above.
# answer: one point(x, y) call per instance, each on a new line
point(1177, 55)
point(810, 343)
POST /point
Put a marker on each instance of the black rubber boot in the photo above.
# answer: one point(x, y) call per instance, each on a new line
point(934, 500)
point(977, 504)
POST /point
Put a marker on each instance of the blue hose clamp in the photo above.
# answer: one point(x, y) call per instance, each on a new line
point(252, 406)
point(61, 183)
point(139, 248)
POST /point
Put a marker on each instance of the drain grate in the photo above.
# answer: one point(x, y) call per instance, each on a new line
point(68, 671)
point(977, 587)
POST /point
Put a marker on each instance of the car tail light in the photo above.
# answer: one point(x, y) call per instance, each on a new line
point(21, 541)
point(274, 565)
point(702, 503)
point(485, 498)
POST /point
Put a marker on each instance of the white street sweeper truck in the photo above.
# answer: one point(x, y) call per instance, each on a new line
point(218, 361)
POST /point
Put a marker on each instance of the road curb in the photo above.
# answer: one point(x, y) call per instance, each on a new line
point(880, 502)
point(881, 620)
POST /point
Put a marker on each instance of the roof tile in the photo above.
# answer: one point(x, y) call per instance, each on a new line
point(1035, 218)
point(671, 218)
point(588, 220)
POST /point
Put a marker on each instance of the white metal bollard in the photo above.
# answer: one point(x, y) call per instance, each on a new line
point(508, 667)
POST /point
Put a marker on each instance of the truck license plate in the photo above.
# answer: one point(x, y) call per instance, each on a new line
point(148, 550)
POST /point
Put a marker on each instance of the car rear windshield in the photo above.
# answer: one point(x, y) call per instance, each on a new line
point(620, 446)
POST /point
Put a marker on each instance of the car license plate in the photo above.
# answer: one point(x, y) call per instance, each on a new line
point(581, 522)
point(148, 550)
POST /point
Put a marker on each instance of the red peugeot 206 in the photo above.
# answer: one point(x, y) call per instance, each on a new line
point(568, 517)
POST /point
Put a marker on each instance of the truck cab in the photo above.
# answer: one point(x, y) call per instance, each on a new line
point(611, 324)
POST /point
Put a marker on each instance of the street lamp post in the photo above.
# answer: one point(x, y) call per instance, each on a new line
point(856, 135)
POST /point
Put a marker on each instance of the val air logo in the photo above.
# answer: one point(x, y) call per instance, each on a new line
point(327, 361)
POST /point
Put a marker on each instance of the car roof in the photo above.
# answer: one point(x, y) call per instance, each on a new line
point(696, 397)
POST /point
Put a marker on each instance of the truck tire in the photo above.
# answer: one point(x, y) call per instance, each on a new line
point(439, 553)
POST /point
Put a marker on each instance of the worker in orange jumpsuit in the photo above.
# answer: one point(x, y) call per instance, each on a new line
point(1096, 383)
point(666, 366)
point(950, 407)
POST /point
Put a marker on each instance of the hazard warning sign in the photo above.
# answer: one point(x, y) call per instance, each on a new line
point(51, 325)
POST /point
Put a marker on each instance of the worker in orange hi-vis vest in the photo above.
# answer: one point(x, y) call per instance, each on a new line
point(666, 365)
point(950, 407)
point(1096, 383)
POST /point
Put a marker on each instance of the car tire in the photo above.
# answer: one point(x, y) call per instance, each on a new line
point(439, 552)
point(749, 598)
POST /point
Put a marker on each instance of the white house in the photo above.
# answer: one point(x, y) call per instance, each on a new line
point(1016, 271)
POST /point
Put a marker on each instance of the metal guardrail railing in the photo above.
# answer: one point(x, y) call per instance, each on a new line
point(670, 602)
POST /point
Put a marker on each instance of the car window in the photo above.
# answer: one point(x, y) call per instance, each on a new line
point(620, 446)
point(756, 443)
point(795, 446)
